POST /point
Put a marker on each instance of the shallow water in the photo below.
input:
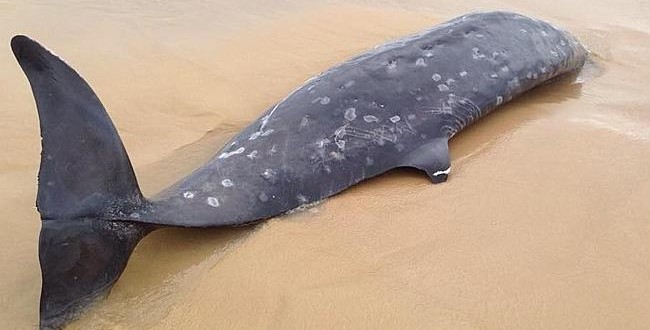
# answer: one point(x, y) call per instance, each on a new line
point(542, 224)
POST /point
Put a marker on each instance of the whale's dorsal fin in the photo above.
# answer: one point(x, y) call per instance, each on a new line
point(84, 166)
point(432, 158)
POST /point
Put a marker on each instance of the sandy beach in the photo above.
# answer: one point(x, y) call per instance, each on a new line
point(543, 224)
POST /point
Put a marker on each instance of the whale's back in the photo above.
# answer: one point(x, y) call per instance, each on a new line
point(372, 114)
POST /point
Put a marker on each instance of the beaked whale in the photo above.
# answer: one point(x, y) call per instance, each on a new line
point(394, 106)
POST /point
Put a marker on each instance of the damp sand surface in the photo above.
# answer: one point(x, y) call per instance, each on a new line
point(543, 224)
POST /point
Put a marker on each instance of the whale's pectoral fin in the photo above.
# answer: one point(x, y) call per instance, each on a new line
point(432, 158)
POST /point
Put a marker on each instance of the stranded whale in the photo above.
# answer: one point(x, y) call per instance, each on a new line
point(394, 106)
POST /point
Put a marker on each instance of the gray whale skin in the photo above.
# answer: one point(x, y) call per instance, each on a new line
point(394, 106)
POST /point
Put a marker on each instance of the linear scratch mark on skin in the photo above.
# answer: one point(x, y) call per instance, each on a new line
point(228, 154)
point(265, 119)
point(268, 132)
point(377, 135)
point(452, 112)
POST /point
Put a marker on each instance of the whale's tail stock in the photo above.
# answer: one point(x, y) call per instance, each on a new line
point(86, 184)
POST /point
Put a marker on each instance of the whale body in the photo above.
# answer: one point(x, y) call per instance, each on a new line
point(394, 106)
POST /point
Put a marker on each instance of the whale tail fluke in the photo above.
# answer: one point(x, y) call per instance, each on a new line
point(80, 261)
point(85, 179)
point(84, 166)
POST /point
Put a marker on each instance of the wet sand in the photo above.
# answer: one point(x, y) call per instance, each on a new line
point(542, 224)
